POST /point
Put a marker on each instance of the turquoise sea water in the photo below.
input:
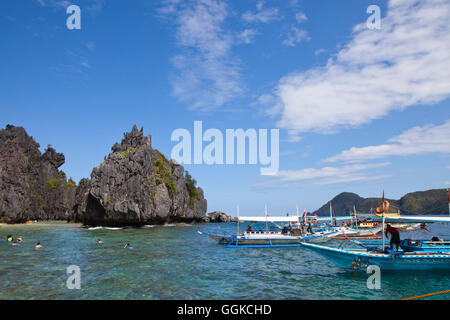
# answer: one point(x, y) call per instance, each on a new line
point(175, 262)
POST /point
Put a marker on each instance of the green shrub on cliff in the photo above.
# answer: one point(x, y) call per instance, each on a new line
point(71, 183)
point(124, 153)
point(52, 184)
point(171, 187)
point(162, 169)
point(191, 187)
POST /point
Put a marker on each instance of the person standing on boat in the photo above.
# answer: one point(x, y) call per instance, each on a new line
point(395, 236)
point(309, 230)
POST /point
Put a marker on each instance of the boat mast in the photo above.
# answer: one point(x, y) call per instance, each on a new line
point(383, 233)
point(331, 214)
point(356, 217)
point(382, 201)
point(448, 199)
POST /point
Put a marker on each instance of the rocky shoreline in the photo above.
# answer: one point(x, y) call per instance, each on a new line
point(135, 185)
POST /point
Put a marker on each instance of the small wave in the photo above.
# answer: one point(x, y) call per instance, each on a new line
point(108, 228)
point(169, 225)
point(148, 226)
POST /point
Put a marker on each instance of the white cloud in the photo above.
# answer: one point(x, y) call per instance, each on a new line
point(405, 63)
point(94, 5)
point(319, 51)
point(300, 17)
point(261, 15)
point(246, 36)
point(295, 36)
point(328, 175)
point(207, 75)
point(415, 141)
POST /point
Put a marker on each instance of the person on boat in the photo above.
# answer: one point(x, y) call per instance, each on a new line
point(249, 228)
point(309, 230)
point(38, 245)
point(285, 230)
point(395, 236)
point(435, 239)
point(99, 241)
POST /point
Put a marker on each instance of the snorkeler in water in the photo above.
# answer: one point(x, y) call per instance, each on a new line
point(38, 245)
point(127, 246)
point(99, 241)
point(9, 238)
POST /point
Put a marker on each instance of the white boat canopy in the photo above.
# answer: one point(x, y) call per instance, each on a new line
point(270, 219)
point(414, 219)
point(328, 218)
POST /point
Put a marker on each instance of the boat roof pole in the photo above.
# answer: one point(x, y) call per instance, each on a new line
point(265, 213)
point(237, 208)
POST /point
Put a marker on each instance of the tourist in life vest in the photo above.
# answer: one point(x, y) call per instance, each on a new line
point(395, 236)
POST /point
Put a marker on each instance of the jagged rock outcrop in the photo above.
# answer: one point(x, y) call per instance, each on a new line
point(31, 186)
point(137, 185)
point(218, 216)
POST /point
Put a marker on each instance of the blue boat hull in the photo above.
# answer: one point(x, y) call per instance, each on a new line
point(352, 261)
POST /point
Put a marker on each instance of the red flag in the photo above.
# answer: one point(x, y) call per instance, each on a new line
point(304, 214)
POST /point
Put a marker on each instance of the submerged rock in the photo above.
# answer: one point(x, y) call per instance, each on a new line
point(136, 185)
point(31, 186)
point(218, 216)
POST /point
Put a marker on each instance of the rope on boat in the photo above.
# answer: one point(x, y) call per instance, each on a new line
point(428, 295)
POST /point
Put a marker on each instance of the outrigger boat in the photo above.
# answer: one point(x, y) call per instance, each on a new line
point(412, 257)
point(367, 231)
point(269, 238)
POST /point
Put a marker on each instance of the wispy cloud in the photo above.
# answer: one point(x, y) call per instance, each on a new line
point(300, 17)
point(246, 36)
point(207, 75)
point(261, 14)
point(405, 63)
point(90, 6)
point(295, 36)
point(415, 141)
point(319, 51)
point(327, 175)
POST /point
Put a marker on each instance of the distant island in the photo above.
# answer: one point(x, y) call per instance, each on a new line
point(431, 202)
point(134, 185)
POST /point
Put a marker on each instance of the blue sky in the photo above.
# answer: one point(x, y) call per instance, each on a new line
point(358, 110)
